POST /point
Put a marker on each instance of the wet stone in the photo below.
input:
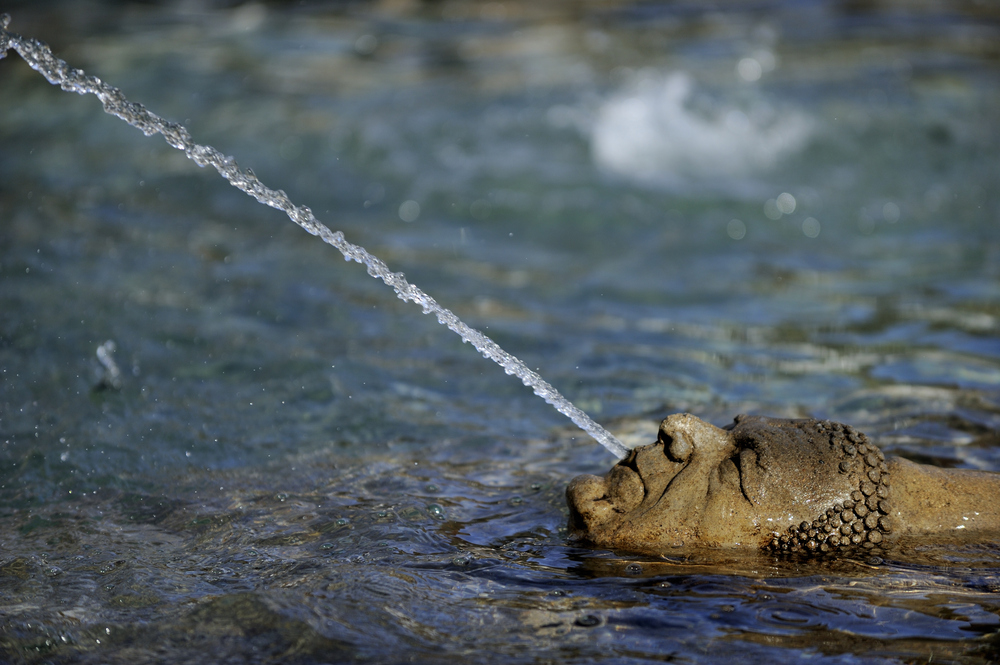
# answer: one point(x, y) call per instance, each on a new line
point(867, 488)
point(845, 467)
point(872, 520)
point(861, 510)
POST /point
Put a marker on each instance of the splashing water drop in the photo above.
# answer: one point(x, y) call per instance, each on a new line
point(39, 57)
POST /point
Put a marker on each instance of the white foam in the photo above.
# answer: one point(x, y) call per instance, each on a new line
point(652, 133)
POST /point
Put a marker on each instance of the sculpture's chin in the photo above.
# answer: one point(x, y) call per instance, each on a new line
point(597, 503)
point(583, 495)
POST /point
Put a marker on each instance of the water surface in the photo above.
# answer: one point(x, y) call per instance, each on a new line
point(789, 210)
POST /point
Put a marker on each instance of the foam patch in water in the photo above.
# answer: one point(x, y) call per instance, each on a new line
point(654, 134)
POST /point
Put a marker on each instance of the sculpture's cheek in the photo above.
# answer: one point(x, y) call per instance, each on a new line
point(625, 489)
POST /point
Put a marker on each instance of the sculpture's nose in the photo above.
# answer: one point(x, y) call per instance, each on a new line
point(676, 443)
point(683, 434)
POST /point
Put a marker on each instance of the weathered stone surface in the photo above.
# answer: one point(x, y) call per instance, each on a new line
point(778, 485)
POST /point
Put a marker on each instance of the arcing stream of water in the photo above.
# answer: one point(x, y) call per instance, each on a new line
point(40, 58)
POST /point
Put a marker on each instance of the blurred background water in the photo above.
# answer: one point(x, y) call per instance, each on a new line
point(787, 208)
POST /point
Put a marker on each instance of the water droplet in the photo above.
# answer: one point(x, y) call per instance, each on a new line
point(736, 229)
point(786, 203)
point(633, 569)
point(326, 546)
point(365, 44)
point(771, 210)
point(749, 69)
point(890, 211)
point(409, 211)
point(515, 500)
point(342, 521)
point(435, 511)
point(588, 621)
point(280, 496)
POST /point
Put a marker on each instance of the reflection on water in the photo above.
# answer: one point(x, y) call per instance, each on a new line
point(299, 468)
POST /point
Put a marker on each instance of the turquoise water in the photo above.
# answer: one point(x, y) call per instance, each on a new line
point(788, 210)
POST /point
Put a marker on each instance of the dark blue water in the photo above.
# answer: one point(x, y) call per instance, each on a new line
point(790, 209)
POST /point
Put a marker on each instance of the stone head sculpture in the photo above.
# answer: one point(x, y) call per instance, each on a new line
point(776, 485)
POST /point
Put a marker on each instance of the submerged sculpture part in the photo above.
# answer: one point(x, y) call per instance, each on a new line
point(40, 58)
point(776, 485)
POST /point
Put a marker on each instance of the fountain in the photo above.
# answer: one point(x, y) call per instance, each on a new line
point(40, 58)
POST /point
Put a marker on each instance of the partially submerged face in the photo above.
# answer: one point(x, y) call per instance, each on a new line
point(762, 483)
